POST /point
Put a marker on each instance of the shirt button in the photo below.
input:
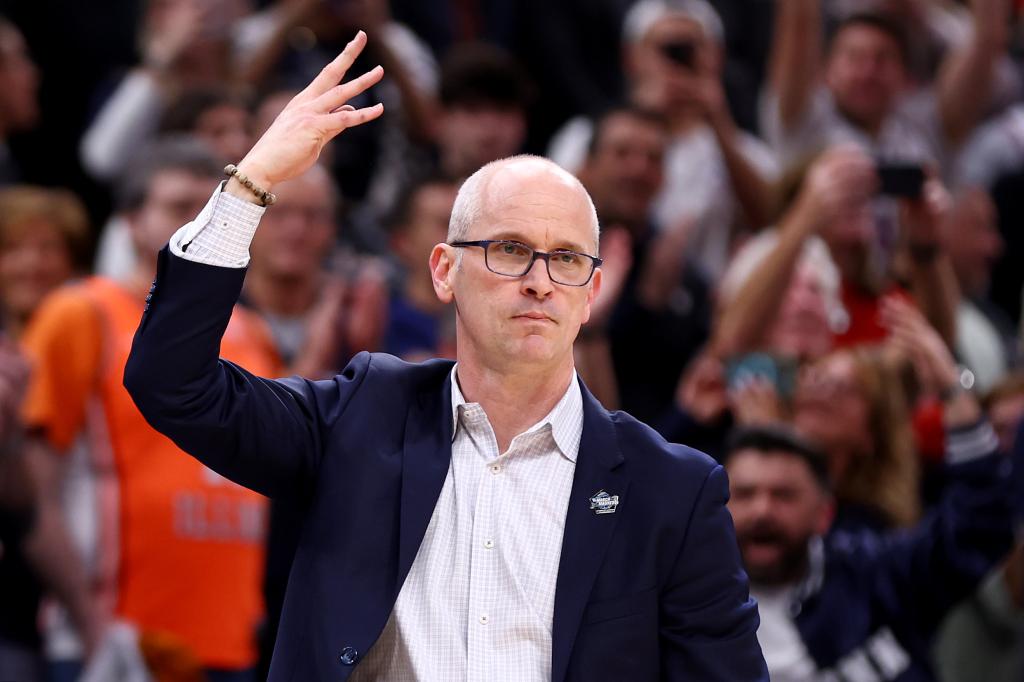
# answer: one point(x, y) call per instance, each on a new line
point(489, 544)
point(495, 469)
point(484, 620)
point(348, 656)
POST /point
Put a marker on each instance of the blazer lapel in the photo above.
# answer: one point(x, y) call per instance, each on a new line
point(426, 457)
point(587, 533)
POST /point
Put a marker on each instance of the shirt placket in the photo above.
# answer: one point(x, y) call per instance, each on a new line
point(484, 570)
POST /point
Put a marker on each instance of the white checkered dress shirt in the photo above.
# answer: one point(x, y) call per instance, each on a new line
point(221, 233)
point(478, 602)
point(480, 596)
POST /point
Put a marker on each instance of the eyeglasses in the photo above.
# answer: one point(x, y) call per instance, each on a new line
point(513, 259)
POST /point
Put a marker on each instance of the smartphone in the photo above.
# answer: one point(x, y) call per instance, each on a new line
point(779, 372)
point(681, 52)
point(900, 179)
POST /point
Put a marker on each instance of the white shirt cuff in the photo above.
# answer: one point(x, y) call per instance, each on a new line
point(221, 233)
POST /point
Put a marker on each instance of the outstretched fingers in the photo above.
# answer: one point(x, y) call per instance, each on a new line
point(347, 117)
point(340, 94)
point(332, 74)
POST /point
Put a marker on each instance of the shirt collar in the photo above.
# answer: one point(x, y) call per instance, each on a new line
point(565, 418)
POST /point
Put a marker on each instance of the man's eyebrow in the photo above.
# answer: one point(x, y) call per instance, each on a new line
point(513, 236)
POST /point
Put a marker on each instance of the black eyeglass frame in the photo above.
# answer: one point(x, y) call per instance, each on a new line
point(595, 262)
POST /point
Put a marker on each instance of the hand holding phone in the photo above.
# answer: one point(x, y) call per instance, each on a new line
point(900, 180)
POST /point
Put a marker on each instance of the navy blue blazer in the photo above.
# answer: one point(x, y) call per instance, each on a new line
point(653, 591)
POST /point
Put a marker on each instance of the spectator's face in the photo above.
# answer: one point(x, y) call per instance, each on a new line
point(529, 322)
point(865, 73)
point(1005, 415)
point(657, 81)
point(227, 130)
point(973, 240)
point(174, 197)
point(427, 226)
point(777, 506)
point(33, 262)
point(830, 407)
point(472, 136)
point(625, 171)
point(19, 84)
point(296, 235)
point(801, 329)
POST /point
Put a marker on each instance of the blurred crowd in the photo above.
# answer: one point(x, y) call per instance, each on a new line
point(810, 216)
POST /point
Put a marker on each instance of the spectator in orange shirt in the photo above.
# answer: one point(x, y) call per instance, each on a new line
point(170, 547)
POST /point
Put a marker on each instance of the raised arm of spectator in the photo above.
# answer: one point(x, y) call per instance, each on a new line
point(796, 57)
point(966, 78)
point(932, 280)
point(943, 558)
point(254, 63)
point(842, 177)
point(753, 190)
point(131, 115)
point(416, 90)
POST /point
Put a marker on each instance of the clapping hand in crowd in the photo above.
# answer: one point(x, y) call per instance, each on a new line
point(755, 401)
point(702, 392)
point(617, 254)
point(937, 371)
point(918, 342)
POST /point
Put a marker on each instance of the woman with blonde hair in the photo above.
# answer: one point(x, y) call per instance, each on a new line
point(44, 233)
point(854, 404)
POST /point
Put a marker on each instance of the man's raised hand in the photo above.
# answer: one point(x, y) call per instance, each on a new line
point(295, 139)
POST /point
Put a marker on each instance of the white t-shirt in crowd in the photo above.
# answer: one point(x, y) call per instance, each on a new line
point(911, 133)
point(697, 185)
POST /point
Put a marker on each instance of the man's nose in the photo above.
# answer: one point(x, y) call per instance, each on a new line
point(536, 281)
point(761, 507)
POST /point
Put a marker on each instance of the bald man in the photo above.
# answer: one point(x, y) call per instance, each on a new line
point(482, 521)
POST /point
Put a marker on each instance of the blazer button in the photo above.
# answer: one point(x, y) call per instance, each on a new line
point(348, 656)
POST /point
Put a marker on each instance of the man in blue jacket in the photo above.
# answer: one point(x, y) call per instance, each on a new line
point(862, 606)
point(486, 522)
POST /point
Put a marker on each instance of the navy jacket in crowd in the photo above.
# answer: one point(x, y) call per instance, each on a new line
point(653, 591)
point(872, 602)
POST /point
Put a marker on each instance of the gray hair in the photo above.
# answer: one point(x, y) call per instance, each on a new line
point(814, 255)
point(469, 203)
point(645, 13)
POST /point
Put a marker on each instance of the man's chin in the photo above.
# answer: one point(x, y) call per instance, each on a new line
point(773, 568)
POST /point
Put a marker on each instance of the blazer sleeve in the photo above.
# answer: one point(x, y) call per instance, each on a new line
point(260, 433)
point(708, 619)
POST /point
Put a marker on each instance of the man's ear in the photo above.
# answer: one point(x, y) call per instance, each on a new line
point(442, 271)
point(595, 289)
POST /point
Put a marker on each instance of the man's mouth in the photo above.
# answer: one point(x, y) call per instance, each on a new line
point(540, 317)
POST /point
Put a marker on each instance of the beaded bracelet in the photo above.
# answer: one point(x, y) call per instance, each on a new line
point(266, 198)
